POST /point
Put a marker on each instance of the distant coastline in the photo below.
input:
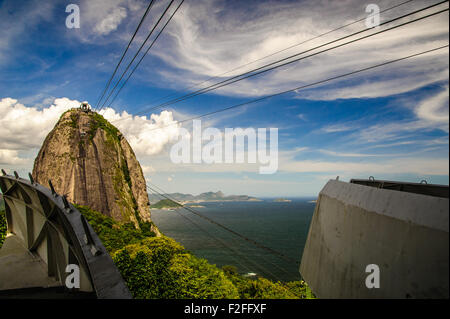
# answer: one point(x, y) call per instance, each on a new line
point(184, 199)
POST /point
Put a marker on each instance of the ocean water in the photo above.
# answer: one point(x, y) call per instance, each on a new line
point(281, 226)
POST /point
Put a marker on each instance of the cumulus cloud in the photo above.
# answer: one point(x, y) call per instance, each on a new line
point(147, 136)
point(23, 129)
point(336, 128)
point(10, 157)
point(111, 21)
point(147, 169)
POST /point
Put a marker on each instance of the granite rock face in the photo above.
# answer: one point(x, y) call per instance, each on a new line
point(90, 161)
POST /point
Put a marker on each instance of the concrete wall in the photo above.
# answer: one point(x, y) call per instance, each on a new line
point(405, 234)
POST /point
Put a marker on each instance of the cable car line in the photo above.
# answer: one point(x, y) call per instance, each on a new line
point(124, 53)
point(134, 69)
point(300, 87)
point(271, 66)
point(270, 250)
point(221, 242)
point(285, 49)
point(137, 53)
point(182, 206)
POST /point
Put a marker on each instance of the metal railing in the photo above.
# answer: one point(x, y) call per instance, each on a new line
point(56, 233)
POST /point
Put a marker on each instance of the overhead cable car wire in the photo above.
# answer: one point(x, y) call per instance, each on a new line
point(142, 57)
point(222, 243)
point(285, 49)
point(166, 196)
point(302, 87)
point(270, 250)
point(137, 53)
point(125, 52)
point(270, 66)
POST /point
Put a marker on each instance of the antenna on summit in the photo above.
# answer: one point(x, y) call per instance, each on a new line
point(85, 107)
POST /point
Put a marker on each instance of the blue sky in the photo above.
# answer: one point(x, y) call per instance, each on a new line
point(391, 123)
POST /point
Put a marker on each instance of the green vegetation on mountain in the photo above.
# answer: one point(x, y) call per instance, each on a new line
point(165, 203)
point(159, 267)
point(262, 288)
point(113, 234)
point(99, 122)
point(2, 227)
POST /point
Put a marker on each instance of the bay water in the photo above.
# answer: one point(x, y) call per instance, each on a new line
point(279, 225)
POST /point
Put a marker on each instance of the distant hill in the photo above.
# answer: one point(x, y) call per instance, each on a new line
point(203, 197)
point(165, 203)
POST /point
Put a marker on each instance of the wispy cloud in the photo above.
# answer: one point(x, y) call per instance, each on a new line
point(16, 19)
point(208, 39)
point(336, 128)
point(435, 108)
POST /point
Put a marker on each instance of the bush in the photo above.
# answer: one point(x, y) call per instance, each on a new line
point(2, 227)
point(300, 289)
point(262, 288)
point(114, 235)
point(161, 268)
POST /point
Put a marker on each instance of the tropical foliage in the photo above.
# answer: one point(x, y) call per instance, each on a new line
point(113, 234)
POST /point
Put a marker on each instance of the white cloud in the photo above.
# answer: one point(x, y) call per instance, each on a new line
point(209, 38)
point(435, 108)
point(100, 18)
point(147, 169)
point(111, 21)
point(336, 128)
point(10, 157)
point(23, 129)
point(147, 136)
point(419, 166)
point(429, 114)
point(346, 154)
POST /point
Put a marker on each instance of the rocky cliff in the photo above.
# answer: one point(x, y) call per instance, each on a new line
point(90, 161)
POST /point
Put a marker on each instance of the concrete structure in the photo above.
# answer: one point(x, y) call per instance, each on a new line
point(45, 234)
point(404, 233)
